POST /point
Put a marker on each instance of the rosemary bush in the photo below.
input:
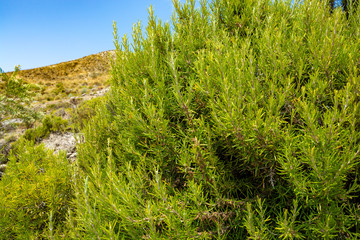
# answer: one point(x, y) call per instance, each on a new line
point(241, 120)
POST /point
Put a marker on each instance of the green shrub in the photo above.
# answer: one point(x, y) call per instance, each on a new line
point(59, 89)
point(35, 194)
point(15, 98)
point(242, 122)
point(84, 90)
point(50, 123)
point(55, 123)
point(85, 111)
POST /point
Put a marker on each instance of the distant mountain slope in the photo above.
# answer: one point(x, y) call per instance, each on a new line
point(89, 65)
point(71, 78)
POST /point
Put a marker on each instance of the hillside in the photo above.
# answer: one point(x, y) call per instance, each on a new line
point(59, 89)
point(71, 78)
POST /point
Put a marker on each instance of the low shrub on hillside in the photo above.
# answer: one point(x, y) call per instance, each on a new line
point(35, 194)
point(59, 89)
point(50, 123)
point(15, 98)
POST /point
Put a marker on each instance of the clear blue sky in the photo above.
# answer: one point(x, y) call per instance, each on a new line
point(35, 33)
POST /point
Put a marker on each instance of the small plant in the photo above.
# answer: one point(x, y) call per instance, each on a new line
point(59, 89)
point(15, 98)
point(43, 89)
point(50, 98)
point(84, 90)
point(49, 124)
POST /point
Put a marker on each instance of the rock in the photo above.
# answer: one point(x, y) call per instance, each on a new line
point(12, 121)
point(2, 143)
point(64, 142)
point(9, 125)
point(102, 92)
point(75, 100)
point(2, 167)
point(72, 156)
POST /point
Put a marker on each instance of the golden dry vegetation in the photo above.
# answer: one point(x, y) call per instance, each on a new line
point(71, 78)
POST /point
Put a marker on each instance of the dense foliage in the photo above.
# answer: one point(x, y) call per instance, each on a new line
point(240, 120)
point(35, 193)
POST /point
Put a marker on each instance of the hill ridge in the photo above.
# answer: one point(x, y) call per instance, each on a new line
point(70, 78)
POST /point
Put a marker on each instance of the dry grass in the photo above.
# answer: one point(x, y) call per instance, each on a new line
point(71, 78)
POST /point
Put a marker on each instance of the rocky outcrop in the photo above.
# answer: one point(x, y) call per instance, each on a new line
point(62, 142)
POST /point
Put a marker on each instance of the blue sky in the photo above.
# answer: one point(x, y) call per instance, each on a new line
point(35, 33)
